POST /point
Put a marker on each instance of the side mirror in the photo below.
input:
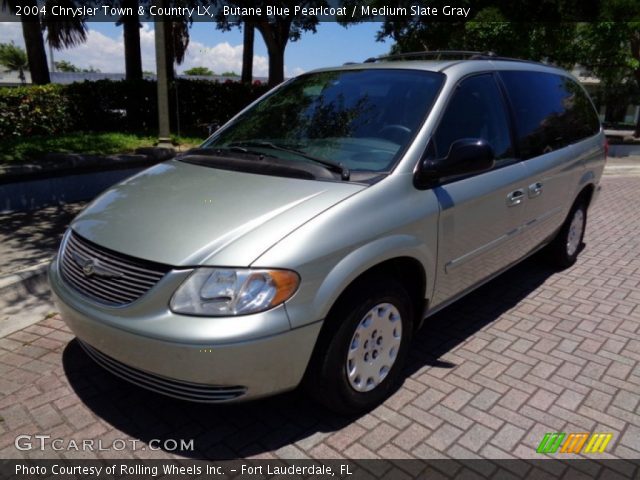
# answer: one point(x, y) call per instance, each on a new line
point(467, 155)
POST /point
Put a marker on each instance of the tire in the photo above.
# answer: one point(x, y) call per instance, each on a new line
point(564, 249)
point(359, 359)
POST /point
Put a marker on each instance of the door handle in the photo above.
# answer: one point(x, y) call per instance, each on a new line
point(515, 198)
point(535, 189)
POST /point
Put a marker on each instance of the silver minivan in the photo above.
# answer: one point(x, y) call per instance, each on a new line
point(307, 239)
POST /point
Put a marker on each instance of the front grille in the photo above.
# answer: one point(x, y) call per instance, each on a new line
point(195, 392)
point(105, 276)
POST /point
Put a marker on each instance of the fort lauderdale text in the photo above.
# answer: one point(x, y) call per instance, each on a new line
point(288, 470)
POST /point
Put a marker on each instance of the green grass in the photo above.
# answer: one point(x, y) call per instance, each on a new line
point(31, 149)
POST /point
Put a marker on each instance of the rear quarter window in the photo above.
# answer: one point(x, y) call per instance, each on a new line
point(551, 111)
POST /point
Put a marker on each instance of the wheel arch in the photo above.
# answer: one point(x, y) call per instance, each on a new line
point(408, 271)
point(403, 257)
point(586, 188)
point(586, 194)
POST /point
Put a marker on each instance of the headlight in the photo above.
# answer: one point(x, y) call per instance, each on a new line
point(220, 292)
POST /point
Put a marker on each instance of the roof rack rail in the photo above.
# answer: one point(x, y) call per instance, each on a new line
point(446, 55)
point(432, 54)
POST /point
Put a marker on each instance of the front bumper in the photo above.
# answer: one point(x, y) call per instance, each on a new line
point(193, 358)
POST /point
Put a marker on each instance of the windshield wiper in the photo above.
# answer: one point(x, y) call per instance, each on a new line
point(218, 150)
point(333, 166)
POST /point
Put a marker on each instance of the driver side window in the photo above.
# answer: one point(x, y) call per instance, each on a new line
point(476, 110)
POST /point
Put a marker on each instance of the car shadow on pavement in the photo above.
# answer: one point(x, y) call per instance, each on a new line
point(219, 431)
point(458, 322)
point(258, 427)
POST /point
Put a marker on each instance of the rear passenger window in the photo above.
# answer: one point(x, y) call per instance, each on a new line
point(476, 110)
point(551, 111)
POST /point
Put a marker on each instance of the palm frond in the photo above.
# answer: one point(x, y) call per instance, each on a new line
point(180, 36)
point(67, 31)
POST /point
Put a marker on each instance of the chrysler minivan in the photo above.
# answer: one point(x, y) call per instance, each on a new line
point(306, 240)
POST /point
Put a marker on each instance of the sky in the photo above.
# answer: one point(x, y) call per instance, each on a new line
point(220, 51)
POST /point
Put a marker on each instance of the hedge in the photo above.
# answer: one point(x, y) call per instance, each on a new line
point(42, 110)
point(121, 106)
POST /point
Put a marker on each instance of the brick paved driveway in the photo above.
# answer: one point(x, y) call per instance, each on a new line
point(532, 352)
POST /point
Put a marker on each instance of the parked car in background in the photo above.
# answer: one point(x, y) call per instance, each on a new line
point(308, 238)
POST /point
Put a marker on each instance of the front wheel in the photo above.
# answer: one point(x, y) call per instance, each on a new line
point(360, 355)
point(564, 249)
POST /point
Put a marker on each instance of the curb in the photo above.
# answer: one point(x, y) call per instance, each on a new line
point(70, 177)
point(60, 164)
point(25, 298)
point(631, 170)
point(26, 281)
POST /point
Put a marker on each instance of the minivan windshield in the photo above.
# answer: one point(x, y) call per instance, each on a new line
point(353, 120)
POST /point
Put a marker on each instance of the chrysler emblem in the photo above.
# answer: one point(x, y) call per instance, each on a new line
point(93, 266)
point(88, 268)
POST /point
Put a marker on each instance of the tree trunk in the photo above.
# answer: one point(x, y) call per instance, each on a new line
point(614, 111)
point(168, 51)
point(637, 131)
point(36, 55)
point(247, 52)
point(275, 37)
point(636, 74)
point(164, 139)
point(276, 65)
point(132, 55)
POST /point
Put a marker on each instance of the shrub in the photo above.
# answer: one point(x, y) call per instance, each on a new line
point(35, 110)
point(121, 106)
point(200, 102)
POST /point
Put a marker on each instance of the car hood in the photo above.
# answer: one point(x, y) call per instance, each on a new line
point(184, 215)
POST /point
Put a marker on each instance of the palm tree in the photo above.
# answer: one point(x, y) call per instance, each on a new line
point(14, 59)
point(61, 33)
point(176, 43)
point(64, 32)
point(176, 39)
point(131, 29)
point(32, 34)
point(247, 51)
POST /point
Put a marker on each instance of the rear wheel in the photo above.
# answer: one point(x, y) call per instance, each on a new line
point(360, 355)
point(564, 249)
